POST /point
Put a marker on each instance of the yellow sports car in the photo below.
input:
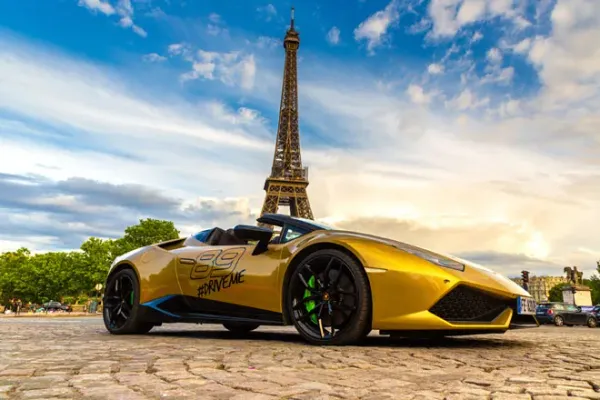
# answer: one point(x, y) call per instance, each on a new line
point(333, 286)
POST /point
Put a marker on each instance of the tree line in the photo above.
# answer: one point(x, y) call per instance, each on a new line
point(71, 276)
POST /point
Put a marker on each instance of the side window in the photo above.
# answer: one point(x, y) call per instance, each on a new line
point(559, 307)
point(292, 233)
point(571, 308)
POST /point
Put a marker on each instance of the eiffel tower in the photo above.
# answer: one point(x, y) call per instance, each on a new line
point(286, 186)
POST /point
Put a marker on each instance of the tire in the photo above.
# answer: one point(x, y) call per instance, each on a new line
point(114, 301)
point(559, 321)
point(352, 285)
point(592, 323)
point(240, 327)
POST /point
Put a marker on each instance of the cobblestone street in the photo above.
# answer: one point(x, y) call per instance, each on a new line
point(43, 358)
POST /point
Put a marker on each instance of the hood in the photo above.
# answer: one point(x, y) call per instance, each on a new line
point(476, 272)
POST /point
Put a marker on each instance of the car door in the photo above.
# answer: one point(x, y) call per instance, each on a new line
point(231, 281)
point(570, 314)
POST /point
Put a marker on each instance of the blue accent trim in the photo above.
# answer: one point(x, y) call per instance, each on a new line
point(156, 302)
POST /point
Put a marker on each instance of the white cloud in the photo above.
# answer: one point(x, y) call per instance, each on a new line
point(466, 100)
point(374, 29)
point(477, 36)
point(333, 36)
point(435, 69)
point(182, 49)
point(523, 46)
point(97, 5)
point(568, 60)
point(470, 11)
point(494, 55)
point(233, 68)
point(509, 108)
point(123, 9)
point(449, 16)
point(268, 12)
point(417, 95)
point(153, 57)
point(266, 42)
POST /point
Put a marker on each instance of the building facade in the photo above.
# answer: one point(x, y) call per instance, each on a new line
point(539, 286)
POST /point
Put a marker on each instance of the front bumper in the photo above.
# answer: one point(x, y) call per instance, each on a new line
point(465, 310)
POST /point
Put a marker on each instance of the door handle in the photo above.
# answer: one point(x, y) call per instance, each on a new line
point(188, 261)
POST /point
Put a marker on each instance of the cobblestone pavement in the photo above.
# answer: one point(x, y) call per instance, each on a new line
point(76, 358)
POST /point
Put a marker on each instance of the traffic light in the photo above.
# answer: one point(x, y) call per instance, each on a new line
point(525, 276)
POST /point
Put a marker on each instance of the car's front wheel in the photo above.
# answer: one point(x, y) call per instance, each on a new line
point(121, 304)
point(328, 299)
point(592, 322)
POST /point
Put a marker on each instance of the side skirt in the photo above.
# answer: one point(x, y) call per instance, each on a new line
point(177, 308)
point(438, 333)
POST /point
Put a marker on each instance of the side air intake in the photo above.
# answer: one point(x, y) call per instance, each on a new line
point(466, 304)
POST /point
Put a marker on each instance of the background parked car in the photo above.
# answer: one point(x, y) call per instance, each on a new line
point(56, 306)
point(561, 314)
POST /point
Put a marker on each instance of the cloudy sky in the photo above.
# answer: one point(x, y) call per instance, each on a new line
point(466, 126)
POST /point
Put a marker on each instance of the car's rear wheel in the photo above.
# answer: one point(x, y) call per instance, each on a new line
point(329, 299)
point(559, 321)
point(240, 327)
point(121, 304)
point(592, 323)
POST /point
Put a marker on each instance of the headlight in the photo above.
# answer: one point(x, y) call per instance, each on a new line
point(432, 257)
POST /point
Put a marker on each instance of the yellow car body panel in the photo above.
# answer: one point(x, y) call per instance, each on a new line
point(403, 286)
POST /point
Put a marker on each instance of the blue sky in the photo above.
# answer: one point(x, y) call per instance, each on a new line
point(467, 126)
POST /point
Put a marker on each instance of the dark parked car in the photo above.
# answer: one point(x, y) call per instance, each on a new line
point(564, 314)
point(56, 306)
point(594, 321)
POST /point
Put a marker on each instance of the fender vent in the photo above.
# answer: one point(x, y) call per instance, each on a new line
point(465, 304)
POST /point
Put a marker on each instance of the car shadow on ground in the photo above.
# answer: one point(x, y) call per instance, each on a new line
point(374, 340)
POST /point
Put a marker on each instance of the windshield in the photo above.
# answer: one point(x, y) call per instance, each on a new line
point(317, 224)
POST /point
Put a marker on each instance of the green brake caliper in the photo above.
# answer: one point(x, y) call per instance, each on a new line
point(131, 298)
point(310, 304)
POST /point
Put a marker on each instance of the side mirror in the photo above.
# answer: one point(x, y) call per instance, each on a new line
point(578, 309)
point(258, 233)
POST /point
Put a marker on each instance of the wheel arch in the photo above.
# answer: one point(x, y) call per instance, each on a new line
point(301, 255)
point(120, 267)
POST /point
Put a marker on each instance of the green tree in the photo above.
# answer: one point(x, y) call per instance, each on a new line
point(12, 271)
point(95, 261)
point(51, 276)
point(146, 232)
point(556, 292)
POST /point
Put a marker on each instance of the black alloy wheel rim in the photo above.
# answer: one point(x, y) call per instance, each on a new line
point(118, 301)
point(323, 297)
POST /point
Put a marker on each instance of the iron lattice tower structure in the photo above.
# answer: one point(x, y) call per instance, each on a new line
point(286, 186)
